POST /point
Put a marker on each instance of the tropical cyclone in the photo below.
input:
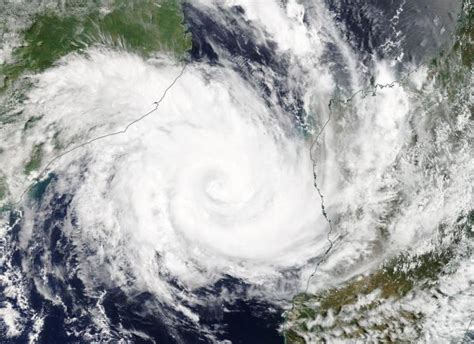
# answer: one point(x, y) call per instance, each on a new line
point(170, 211)
point(213, 182)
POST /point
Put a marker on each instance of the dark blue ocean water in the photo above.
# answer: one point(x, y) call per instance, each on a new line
point(243, 320)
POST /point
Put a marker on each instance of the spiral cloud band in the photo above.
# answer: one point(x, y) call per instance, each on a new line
point(273, 171)
point(212, 183)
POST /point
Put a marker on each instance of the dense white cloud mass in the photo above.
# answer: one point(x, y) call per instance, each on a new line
point(214, 183)
point(210, 178)
point(219, 180)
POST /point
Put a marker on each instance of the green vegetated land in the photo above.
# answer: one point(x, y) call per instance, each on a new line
point(464, 43)
point(3, 187)
point(355, 317)
point(36, 157)
point(400, 275)
point(141, 26)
